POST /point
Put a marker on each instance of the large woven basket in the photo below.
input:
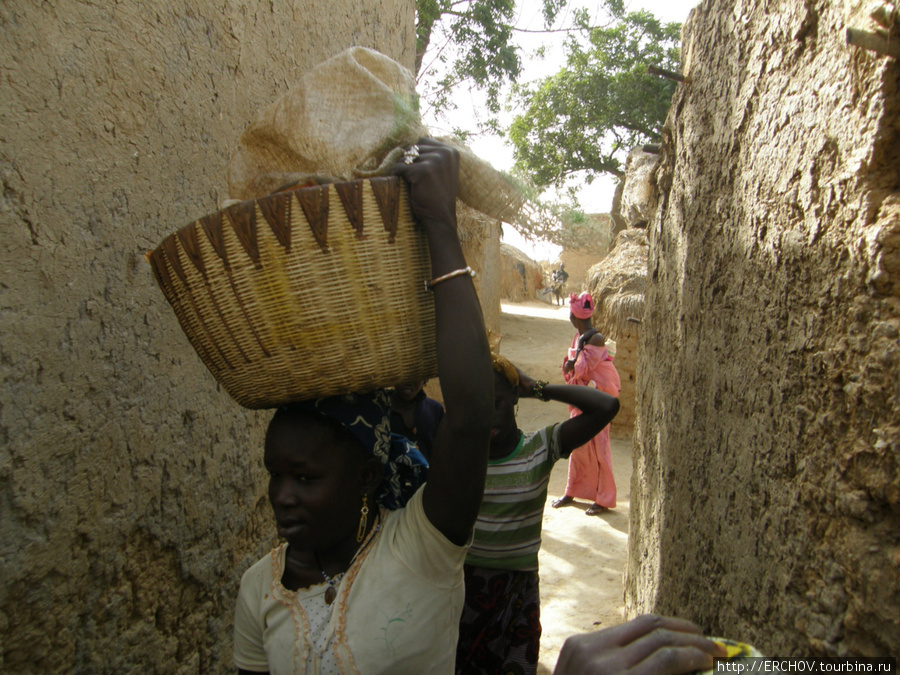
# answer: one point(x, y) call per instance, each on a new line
point(306, 293)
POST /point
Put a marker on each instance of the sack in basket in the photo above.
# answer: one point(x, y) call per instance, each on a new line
point(350, 117)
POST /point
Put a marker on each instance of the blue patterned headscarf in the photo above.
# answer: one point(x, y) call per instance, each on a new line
point(367, 417)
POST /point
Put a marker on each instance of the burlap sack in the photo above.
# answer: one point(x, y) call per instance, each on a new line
point(350, 117)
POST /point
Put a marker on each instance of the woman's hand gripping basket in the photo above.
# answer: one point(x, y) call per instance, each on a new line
point(305, 293)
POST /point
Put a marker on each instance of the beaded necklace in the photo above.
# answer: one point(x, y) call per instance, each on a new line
point(331, 591)
point(332, 581)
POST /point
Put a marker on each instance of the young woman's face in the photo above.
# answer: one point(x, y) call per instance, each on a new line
point(317, 478)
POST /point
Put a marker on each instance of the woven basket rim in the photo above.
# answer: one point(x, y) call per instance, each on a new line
point(288, 189)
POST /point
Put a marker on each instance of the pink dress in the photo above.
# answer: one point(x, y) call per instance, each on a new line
point(590, 466)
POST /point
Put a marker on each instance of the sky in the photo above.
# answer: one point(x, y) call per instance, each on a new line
point(595, 198)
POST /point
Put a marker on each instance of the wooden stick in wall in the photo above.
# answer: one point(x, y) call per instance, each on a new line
point(873, 42)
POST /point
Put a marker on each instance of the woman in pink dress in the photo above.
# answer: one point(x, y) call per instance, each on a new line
point(589, 363)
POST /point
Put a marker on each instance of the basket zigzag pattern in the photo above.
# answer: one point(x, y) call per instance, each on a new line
point(293, 296)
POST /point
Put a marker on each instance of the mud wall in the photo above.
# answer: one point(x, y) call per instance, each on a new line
point(578, 264)
point(479, 235)
point(131, 488)
point(766, 492)
point(585, 243)
point(626, 361)
point(618, 285)
point(520, 277)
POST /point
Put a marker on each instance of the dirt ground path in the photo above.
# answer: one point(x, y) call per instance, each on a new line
point(582, 558)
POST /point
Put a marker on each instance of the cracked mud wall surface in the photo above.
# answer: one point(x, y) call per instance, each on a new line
point(766, 490)
point(132, 495)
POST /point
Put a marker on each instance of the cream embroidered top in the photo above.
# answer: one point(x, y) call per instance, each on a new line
point(397, 609)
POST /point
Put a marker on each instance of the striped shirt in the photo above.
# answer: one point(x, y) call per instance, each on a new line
point(508, 530)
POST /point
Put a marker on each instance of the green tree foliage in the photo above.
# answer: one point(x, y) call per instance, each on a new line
point(586, 118)
point(476, 45)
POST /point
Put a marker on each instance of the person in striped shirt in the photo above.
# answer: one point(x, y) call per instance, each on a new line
point(500, 627)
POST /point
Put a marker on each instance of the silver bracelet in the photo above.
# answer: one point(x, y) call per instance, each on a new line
point(429, 285)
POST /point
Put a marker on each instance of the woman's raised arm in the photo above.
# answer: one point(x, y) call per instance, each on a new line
point(597, 410)
point(452, 495)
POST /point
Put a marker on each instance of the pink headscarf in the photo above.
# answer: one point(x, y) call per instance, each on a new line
point(582, 306)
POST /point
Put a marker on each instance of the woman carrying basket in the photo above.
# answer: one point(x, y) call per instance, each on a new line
point(358, 587)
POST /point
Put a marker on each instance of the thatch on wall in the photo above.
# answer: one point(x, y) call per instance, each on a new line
point(618, 284)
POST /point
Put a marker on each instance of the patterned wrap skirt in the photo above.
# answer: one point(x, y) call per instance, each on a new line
point(500, 628)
